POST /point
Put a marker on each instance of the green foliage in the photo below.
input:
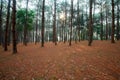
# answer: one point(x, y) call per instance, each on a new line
point(80, 20)
point(97, 28)
point(21, 19)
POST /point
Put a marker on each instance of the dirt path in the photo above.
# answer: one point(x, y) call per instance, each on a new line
point(101, 61)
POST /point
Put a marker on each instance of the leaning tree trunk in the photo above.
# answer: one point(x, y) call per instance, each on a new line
point(54, 24)
point(1, 8)
point(113, 23)
point(90, 25)
point(7, 24)
point(71, 22)
point(13, 27)
point(43, 23)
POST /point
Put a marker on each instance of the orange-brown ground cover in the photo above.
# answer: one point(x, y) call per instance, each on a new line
point(101, 61)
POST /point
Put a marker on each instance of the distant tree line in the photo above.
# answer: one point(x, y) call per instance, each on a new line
point(58, 21)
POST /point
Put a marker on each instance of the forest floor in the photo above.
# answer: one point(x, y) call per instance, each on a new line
point(101, 61)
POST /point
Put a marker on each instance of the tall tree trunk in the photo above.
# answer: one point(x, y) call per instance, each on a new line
point(36, 36)
point(87, 23)
point(1, 8)
point(113, 23)
point(13, 27)
point(110, 30)
point(65, 38)
point(7, 26)
point(76, 32)
point(54, 24)
point(106, 25)
point(118, 16)
point(78, 19)
point(25, 25)
point(43, 23)
point(71, 22)
point(101, 17)
point(94, 3)
point(90, 25)
point(62, 31)
point(9, 30)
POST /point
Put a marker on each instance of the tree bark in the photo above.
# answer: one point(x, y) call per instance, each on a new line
point(113, 23)
point(90, 25)
point(43, 23)
point(106, 25)
point(7, 26)
point(13, 27)
point(65, 37)
point(9, 35)
point(36, 36)
point(101, 17)
point(78, 19)
point(118, 16)
point(1, 9)
point(54, 24)
point(71, 22)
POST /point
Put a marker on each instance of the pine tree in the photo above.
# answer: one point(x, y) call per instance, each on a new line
point(7, 26)
point(90, 24)
point(113, 23)
point(71, 22)
point(54, 24)
point(43, 23)
point(1, 9)
point(13, 27)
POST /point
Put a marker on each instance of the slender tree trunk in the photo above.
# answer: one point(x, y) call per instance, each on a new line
point(79, 34)
point(118, 16)
point(113, 23)
point(43, 23)
point(87, 24)
point(7, 26)
point(25, 25)
point(94, 1)
point(71, 22)
point(36, 36)
point(9, 35)
point(101, 16)
point(9, 30)
point(65, 21)
point(110, 30)
point(13, 27)
point(76, 32)
point(90, 25)
point(94, 12)
point(78, 19)
point(106, 25)
point(54, 24)
point(1, 8)
point(62, 31)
